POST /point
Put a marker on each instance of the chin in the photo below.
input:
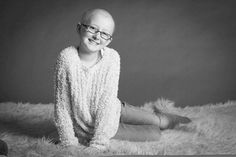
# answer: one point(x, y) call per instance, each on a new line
point(94, 48)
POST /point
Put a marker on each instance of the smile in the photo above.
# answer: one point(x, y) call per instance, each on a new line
point(93, 41)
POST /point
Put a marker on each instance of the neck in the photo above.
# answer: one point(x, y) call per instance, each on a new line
point(88, 57)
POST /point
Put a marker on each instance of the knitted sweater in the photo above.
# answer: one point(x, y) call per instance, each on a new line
point(86, 103)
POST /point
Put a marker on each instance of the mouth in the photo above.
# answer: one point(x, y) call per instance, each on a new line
point(93, 41)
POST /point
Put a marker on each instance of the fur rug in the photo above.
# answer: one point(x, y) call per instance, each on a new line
point(26, 127)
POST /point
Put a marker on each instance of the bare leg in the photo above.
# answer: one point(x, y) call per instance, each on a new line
point(136, 116)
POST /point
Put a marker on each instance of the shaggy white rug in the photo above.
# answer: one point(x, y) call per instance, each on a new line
point(25, 128)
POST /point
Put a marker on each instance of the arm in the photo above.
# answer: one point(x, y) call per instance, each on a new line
point(108, 113)
point(62, 107)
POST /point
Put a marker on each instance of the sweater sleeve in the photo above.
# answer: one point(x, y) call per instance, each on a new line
point(108, 113)
point(62, 109)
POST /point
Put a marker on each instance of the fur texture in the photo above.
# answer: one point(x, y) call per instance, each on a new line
point(26, 128)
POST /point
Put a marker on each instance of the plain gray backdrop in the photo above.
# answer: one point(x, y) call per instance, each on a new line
point(183, 50)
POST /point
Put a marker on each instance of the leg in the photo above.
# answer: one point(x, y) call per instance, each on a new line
point(138, 133)
point(134, 115)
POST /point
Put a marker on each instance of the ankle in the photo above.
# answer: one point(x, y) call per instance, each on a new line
point(163, 121)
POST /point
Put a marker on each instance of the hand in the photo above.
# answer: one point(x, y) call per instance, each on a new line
point(74, 150)
point(91, 151)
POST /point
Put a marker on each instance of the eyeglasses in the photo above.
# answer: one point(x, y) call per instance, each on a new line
point(94, 30)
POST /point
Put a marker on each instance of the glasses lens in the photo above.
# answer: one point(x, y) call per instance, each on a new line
point(94, 30)
point(105, 35)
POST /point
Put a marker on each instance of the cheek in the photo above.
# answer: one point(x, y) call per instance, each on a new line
point(105, 42)
point(84, 34)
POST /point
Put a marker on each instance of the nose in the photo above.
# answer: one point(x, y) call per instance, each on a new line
point(96, 35)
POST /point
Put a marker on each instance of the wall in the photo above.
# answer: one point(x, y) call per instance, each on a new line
point(182, 50)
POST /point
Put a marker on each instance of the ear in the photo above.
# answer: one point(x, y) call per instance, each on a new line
point(78, 28)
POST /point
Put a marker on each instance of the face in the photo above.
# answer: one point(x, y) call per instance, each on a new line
point(94, 42)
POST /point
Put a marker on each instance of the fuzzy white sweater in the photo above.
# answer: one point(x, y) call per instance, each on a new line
point(86, 103)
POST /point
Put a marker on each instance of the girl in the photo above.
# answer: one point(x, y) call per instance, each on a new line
point(87, 109)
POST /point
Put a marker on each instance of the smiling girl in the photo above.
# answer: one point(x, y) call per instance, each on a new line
point(87, 109)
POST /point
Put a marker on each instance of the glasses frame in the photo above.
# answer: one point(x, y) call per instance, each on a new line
point(96, 30)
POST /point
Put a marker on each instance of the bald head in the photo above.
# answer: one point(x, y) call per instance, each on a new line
point(95, 13)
